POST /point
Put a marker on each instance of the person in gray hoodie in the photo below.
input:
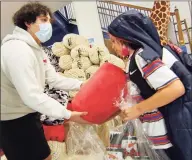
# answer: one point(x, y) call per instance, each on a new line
point(25, 69)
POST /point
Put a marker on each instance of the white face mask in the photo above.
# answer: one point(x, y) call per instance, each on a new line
point(45, 32)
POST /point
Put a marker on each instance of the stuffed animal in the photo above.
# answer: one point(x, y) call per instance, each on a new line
point(59, 49)
point(79, 51)
point(76, 73)
point(91, 70)
point(72, 40)
point(82, 63)
point(113, 60)
point(65, 62)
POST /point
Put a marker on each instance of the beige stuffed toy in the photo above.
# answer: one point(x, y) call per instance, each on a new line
point(82, 63)
point(80, 51)
point(101, 50)
point(113, 60)
point(91, 70)
point(65, 62)
point(72, 94)
point(94, 56)
point(72, 40)
point(75, 73)
point(59, 49)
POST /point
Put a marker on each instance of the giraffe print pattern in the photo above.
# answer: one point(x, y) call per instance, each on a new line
point(160, 16)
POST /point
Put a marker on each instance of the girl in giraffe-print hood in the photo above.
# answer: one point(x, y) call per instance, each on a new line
point(163, 80)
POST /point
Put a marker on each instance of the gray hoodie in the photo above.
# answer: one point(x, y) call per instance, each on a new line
point(24, 70)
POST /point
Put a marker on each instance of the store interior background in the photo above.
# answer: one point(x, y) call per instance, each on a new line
point(87, 22)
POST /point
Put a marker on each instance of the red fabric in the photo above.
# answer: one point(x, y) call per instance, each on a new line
point(150, 68)
point(69, 107)
point(54, 133)
point(100, 94)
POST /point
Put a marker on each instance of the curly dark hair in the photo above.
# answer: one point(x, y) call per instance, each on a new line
point(29, 12)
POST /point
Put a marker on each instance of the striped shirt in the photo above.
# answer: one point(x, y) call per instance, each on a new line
point(157, 75)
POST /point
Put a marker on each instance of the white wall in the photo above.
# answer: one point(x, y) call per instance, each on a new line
point(88, 20)
point(9, 8)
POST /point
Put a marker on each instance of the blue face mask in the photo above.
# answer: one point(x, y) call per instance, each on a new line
point(45, 32)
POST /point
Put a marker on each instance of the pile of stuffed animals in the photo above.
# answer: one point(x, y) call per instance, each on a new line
point(81, 60)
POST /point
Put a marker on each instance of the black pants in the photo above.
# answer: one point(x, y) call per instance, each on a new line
point(23, 138)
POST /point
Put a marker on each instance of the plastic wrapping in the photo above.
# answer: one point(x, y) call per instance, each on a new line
point(58, 150)
point(103, 130)
point(129, 140)
point(83, 141)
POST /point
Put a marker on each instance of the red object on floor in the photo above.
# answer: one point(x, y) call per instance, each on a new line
point(54, 133)
point(100, 94)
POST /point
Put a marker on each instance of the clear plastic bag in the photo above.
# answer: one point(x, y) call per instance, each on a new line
point(129, 140)
point(84, 143)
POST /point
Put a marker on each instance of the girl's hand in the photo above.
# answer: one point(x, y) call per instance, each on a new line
point(130, 113)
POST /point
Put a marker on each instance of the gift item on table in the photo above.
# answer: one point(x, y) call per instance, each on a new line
point(131, 136)
point(103, 133)
point(104, 129)
point(58, 150)
point(123, 137)
point(130, 143)
point(115, 154)
point(83, 140)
